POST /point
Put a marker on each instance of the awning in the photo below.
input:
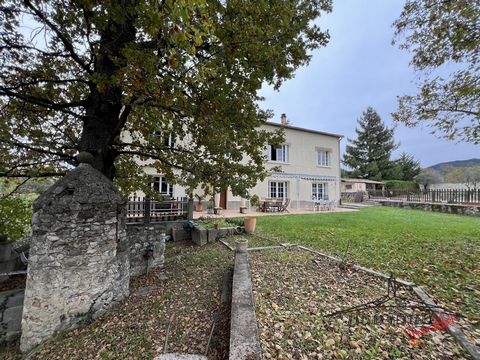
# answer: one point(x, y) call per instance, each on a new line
point(304, 177)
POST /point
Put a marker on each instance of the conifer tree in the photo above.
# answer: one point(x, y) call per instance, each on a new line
point(368, 156)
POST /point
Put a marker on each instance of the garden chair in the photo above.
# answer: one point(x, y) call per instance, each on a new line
point(323, 205)
point(284, 206)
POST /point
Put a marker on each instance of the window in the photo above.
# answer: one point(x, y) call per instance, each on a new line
point(161, 185)
point(323, 157)
point(348, 187)
point(278, 153)
point(319, 191)
point(167, 138)
point(278, 189)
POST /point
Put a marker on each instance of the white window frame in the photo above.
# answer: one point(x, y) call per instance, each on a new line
point(161, 185)
point(319, 191)
point(277, 188)
point(281, 153)
point(168, 142)
point(324, 157)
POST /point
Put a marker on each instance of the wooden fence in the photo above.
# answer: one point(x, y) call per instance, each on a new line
point(449, 196)
point(146, 210)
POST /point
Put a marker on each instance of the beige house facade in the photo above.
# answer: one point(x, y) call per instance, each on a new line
point(360, 185)
point(310, 171)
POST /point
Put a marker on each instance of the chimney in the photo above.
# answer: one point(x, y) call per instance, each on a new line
point(283, 119)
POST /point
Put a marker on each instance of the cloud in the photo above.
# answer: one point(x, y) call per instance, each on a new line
point(357, 69)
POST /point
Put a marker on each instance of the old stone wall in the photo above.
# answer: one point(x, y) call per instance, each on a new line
point(147, 247)
point(436, 207)
point(79, 255)
point(11, 305)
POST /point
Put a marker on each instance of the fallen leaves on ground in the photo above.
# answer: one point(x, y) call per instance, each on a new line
point(295, 291)
point(189, 298)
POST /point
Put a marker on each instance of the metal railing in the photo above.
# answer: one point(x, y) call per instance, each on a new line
point(146, 210)
point(448, 196)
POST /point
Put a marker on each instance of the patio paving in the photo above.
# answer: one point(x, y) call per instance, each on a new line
point(236, 213)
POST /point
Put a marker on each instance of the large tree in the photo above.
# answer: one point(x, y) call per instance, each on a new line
point(368, 156)
point(427, 177)
point(444, 37)
point(471, 177)
point(119, 78)
point(405, 168)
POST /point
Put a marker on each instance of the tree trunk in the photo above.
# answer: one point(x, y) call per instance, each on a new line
point(100, 127)
point(103, 120)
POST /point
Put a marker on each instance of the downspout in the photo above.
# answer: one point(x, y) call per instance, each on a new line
point(337, 185)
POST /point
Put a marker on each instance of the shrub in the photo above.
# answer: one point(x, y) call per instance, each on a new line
point(15, 216)
point(401, 185)
point(255, 201)
point(237, 221)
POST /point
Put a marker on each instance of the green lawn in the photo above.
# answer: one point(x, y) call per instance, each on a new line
point(440, 251)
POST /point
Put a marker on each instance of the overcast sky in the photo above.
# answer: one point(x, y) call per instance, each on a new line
point(359, 68)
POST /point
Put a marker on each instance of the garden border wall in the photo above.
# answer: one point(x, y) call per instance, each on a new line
point(470, 210)
point(244, 337)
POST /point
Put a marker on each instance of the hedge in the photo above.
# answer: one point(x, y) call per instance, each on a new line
point(400, 184)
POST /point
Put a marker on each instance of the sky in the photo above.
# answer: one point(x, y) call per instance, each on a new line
point(359, 68)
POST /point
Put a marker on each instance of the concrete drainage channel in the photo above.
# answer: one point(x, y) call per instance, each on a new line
point(244, 336)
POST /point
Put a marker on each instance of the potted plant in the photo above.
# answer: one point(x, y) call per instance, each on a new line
point(250, 222)
point(255, 201)
point(199, 205)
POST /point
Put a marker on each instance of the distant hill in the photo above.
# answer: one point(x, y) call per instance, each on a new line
point(447, 167)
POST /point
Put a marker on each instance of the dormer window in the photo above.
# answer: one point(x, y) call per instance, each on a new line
point(278, 153)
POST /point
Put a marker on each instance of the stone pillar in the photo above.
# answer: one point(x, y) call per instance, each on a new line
point(78, 265)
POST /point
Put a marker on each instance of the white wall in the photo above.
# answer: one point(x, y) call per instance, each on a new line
point(356, 187)
point(302, 163)
point(297, 171)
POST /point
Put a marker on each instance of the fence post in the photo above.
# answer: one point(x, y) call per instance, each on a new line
point(146, 210)
point(190, 209)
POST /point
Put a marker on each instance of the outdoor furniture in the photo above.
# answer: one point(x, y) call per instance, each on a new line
point(284, 205)
point(324, 205)
point(274, 205)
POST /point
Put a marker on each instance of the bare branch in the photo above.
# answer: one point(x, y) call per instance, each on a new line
point(68, 45)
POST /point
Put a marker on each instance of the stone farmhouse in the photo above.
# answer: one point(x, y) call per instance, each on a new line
point(310, 171)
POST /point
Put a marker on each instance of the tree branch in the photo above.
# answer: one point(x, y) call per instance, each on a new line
point(40, 150)
point(16, 188)
point(44, 102)
point(152, 156)
point(468, 112)
point(68, 45)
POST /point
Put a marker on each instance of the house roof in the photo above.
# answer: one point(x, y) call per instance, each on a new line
point(304, 129)
point(365, 181)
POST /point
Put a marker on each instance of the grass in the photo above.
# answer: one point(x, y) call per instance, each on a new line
point(441, 251)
